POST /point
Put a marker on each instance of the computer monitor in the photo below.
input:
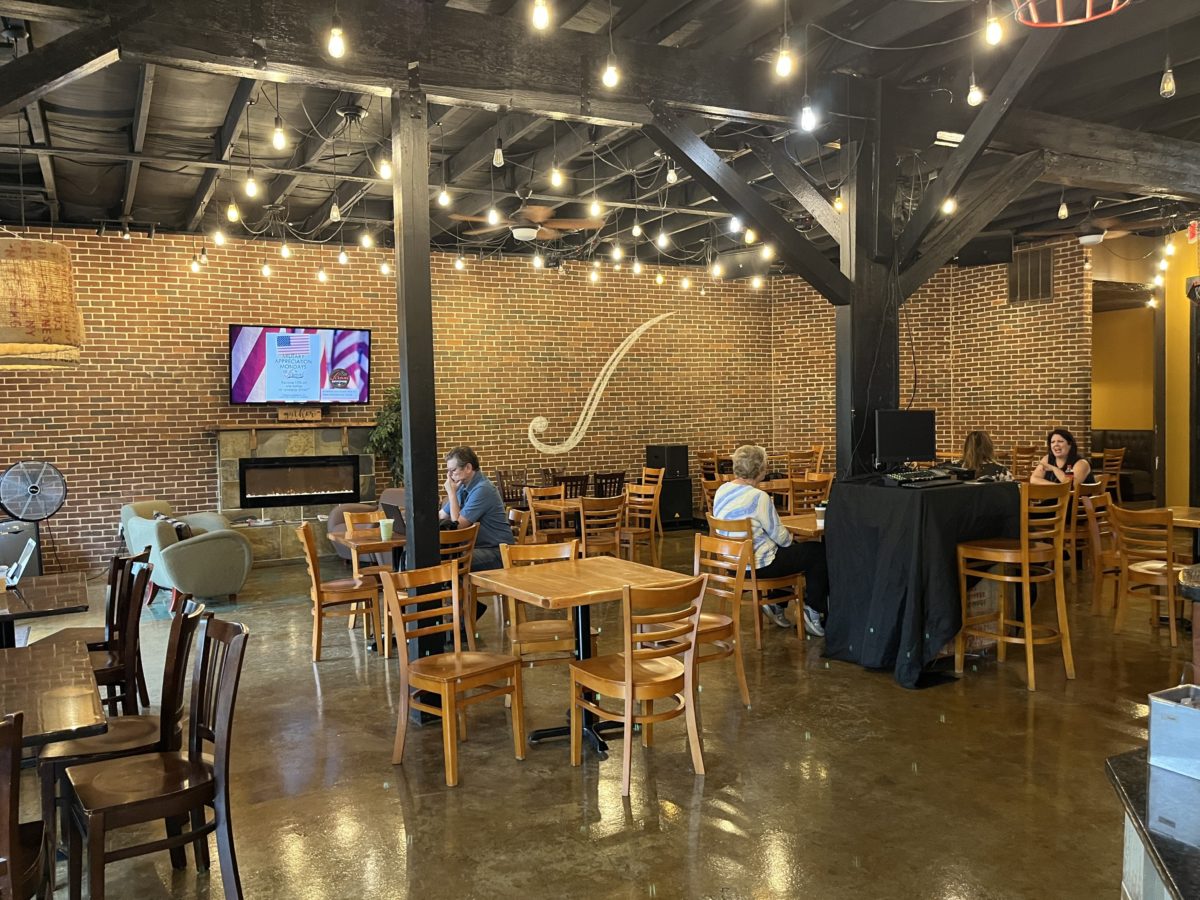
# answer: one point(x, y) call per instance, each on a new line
point(902, 435)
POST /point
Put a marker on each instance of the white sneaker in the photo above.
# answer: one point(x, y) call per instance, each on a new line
point(812, 622)
point(776, 614)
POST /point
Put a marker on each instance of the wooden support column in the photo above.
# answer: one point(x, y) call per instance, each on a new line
point(414, 321)
point(867, 367)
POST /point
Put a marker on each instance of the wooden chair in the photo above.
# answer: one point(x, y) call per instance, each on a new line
point(573, 486)
point(100, 638)
point(457, 545)
point(1076, 535)
point(641, 514)
point(1023, 461)
point(742, 530)
point(600, 523)
point(115, 668)
point(645, 671)
point(801, 463)
point(521, 523)
point(455, 677)
point(1146, 553)
point(511, 484)
point(1114, 458)
point(654, 476)
point(806, 493)
point(549, 476)
point(546, 639)
point(1102, 540)
point(339, 597)
point(708, 489)
point(25, 866)
point(174, 787)
point(369, 521)
point(609, 484)
point(818, 452)
point(548, 524)
point(725, 562)
point(1037, 556)
point(126, 735)
point(707, 461)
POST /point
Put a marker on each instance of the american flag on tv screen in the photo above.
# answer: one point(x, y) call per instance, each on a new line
point(341, 348)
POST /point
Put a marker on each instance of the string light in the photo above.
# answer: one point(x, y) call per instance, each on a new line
point(636, 230)
point(367, 240)
point(337, 38)
point(219, 238)
point(498, 154)
point(204, 256)
point(384, 268)
point(285, 250)
point(1152, 303)
point(658, 279)
point(735, 224)
point(993, 32)
point(493, 216)
point(538, 262)
point(443, 197)
point(540, 15)
point(949, 206)
point(266, 270)
point(756, 282)
point(556, 175)
point(1163, 264)
point(1166, 87)
point(343, 256)
point(1158, 279)
point(278, 138)
point(617, 253)
point(596, 208)
point(1063, 211)
point(750, 236)
point(975, 95)
point(768, 252)
point(685, 282)
point(385, 169)
point(460, 263)
point(321, 275)
point(195, 264)
point(663, 240)
point(1168, 247)
point(808, 118)
point(612, 75)
point(232, 213)
point(594, 275)
point(250, 186)
point(783, 60)
point(335, 211)
point(717, 270)
point(126, 235)
point(839, 205)
point(672, 174)
point(637, 267)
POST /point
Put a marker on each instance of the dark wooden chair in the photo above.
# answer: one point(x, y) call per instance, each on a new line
point(116, 667)
point(511, 485)
point(609, 484)
point(175, 787)
point(573, 486)
point(459, 678)
point(24, 872)
point(549, 476)
point(126, 735)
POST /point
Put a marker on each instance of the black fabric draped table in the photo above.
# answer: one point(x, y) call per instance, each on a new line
point(893, 570)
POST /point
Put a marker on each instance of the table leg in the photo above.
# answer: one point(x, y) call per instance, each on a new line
point(592, 727)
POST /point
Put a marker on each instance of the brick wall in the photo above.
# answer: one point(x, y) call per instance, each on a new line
point(731, 365)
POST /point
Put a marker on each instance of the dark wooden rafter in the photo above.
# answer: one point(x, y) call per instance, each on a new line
point(314, 145)
point(676, 20)
point(137, 136)
point(509, 127)
point(223, 143)
point(636, 21)
point(707, 168)
point(976, 140)
point(1005, 185)
point(886, 27)
point(75, 55)
point(774, 156)
point(39, 136)
point(347, 194)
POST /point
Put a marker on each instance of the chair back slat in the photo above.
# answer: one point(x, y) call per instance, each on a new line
point(707, 460)
point(1101, 536)
point(364, 521)
point(120, 571)
point(545, 518)
point(220, 652)
point(600, 524)
point(800, 463)
point(573, 485)
point(807, 492)
point(519, 520)
point(641, 504)
point(609, 484)
point(1044, 513)
point(549, 475)
point(737, 529)
point(424, 601)
point(1114, 458)
point(457, 545)
point(514, 555)
point(661, 622)
point(724, 561)
point(652, 475)
point(511, 484)
point(184, 625)
point(1143, 534)
point(1023, 460)
point(312, 561)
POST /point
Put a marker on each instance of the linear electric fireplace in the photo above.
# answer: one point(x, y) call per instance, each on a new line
point(297, 480)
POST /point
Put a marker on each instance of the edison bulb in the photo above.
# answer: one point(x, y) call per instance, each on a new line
point(974, 94)
point(251, 186)
point(1063, 212)
point(367, 240)
point(285, 250)
point(1166, 87)
point(335, 212)
point(1169, 249)
point(637, 267)
point(768, 251)
point(321, 276)
point(232, 213)
point(538, 262)
point(556, 177)
point(663, 241)
point(266, 270)
point(195, 266)
point(735, 224)
point(443, 197)
point(460, 263)
point(685, 282)
point(784, 62)
point(541, 15)
point(385, 169)
point(756, 282)
point(343, 256)
point(1152, 303)
point(949, 206)
point(838, 203)
point(337, 39)
point(219, 238)
point(493, 216)
point(278, 137)
point(1158, 279)
point(808, 118)
point(658, 279)
point(672, 174)
point(1163, 264)
point(385, 269)
point(612, 75)
point(636, 230)
point(594, 276)
point(717, 270)
point(204, 256)
point(617, 253)
point(750, 236)
point(994, 32)
point(595, 209)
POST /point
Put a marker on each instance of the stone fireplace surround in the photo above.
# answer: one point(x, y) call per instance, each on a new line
point(277, 542)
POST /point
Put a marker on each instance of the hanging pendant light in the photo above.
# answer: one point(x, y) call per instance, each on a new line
point(41, 326)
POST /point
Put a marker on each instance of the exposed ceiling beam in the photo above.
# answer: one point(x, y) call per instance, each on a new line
point(79, 12)
point(39, 136)
point(640, 19)
point(274, 42)
point(347, 194)
point(1006, 185)
point(1174, 183)
point(509, 128)
point(75, 55)
point(137, 136)
point(888, 26)
point(223, 141)
point(707, 168)
point(976, 140)
point(773, 155)
point(679, 18)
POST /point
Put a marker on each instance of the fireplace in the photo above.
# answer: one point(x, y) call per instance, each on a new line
point(297, 480)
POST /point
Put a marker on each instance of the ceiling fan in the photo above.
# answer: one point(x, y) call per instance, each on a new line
point(1093, 230)
point(531, 223)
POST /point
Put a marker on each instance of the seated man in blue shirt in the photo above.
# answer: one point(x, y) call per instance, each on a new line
point(471, 497)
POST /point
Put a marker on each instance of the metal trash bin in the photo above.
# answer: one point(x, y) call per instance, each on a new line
point(1175, 730)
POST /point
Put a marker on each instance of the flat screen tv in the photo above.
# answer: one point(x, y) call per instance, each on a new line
point(273, 364)
point(903, 435)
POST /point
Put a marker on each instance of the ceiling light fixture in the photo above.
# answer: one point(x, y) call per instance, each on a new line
point(949, 206)
point(538, 262)
point(808, 118)
point(612, 75)
point(672, 173)
point(993, 32)
point(498, 154)
point(975, 94)
point(1166, 87)
point(285, 250)
point(337, 38)
point(343, 256)
point(540, 15)
point(321, 275)
point(384, 268)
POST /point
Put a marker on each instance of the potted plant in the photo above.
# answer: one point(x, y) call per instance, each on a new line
point(387, 437)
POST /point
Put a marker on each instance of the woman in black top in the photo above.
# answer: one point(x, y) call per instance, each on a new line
point(1062, 463)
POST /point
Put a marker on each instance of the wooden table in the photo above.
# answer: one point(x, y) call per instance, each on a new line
point(53, 685)
point(38, 596)
point(364, 541)
point(575, 583)
point(569, 505)
point(804, 526)
point(1189, 517)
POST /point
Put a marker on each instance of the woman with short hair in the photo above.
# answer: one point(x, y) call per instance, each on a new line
point(775, 553)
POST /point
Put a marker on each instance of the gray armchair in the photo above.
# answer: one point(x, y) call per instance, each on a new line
point(213, 562)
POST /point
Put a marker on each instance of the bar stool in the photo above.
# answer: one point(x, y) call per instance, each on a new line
point(1037, 554)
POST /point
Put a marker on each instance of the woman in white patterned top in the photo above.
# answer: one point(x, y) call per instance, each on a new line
point(775, 553)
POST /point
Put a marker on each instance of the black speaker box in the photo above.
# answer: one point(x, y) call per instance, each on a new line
point(986, 251)
point(672, 457)
point(675, 503)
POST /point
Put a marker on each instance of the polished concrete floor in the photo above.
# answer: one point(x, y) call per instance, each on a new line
point(837, 783)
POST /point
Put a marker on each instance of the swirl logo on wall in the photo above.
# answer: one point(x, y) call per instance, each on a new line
point(539, 423)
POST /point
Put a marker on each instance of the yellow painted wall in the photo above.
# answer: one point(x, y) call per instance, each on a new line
point(1185, 262)
point(1123, 369)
